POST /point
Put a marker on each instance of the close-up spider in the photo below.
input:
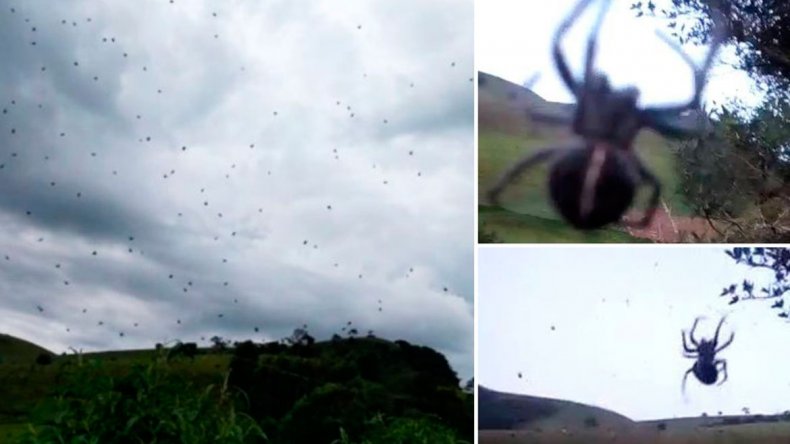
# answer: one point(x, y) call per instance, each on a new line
point(593, 180)
point(706, 366)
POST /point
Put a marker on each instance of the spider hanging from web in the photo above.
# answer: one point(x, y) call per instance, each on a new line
point(706, 367)
point(593, 180)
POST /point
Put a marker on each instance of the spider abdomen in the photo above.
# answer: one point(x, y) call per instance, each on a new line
point(593, 187)
point(706, 373)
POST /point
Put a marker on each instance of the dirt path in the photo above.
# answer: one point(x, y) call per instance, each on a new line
point(666, 229)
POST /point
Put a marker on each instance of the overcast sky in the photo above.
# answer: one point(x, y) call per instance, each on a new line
point(286, 162)
point(513, 41)
point(617, 314)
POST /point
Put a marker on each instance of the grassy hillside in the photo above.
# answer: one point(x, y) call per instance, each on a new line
point(293, 390)
point(770, 433)
point(506, 134)
point(512, 227)
point(515, 419)
point(14, 350)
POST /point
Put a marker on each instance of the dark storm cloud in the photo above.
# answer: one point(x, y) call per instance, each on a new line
point(213, 149)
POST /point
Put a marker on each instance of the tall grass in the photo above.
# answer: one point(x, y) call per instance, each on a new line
point(150, 404)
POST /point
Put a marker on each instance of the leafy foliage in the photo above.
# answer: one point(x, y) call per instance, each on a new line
point(309, 392)
point(739, 175)
point(775, 259)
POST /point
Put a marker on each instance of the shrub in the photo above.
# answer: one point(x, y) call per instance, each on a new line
point(662, 426)
point(590, 422)
point(44, 359)
point(319, 416)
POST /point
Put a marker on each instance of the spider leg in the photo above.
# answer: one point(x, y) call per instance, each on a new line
point(723, 369)
point(726, 344)
point(718, 328)
point(650, 179)
point(559, 58)
point(691, 333)
point(593, 40)
point(516, 170)
point(685, 376)
point(668, 124)
point(686, 348)
point(552, 119)
point(719, 34)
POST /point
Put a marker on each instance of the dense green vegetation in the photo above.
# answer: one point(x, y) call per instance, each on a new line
point(511, 227)
point(347, 390)
point(739, 176)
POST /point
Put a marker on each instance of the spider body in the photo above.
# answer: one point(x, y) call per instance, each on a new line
point(705, 372)
point(593, 182)
point(706, 366)
point(593, 186)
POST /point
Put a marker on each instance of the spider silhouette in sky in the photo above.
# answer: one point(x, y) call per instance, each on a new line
point(706, 366)
point(593, 180)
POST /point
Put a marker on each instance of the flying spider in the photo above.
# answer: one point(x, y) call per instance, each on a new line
point(592, 181)
point(706, 367)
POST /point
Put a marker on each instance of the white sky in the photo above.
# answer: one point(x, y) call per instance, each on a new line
point(618, 313)
point(513, 41)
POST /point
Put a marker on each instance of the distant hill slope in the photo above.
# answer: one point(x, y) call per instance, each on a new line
point(504, 106)
point(521, 99)
point(507, 411)
point(15, 350)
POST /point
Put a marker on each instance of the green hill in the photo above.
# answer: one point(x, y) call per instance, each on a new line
point(512, 227)
point(507, 133)
point(15, 350)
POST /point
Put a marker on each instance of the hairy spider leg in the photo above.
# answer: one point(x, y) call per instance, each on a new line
point(664, 123)
point(691, 333)
point(648, 178)
point(520, 167)
point(700, 72)
point(559, 58)
point(718, 329)
point(723, 369)
point(688, 351)
point(726, 344)
point(593, 40)
point(537, 116)
point(685, 377)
